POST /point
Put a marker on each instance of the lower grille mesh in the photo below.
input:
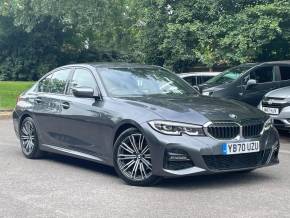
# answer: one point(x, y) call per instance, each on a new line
point(237, 161)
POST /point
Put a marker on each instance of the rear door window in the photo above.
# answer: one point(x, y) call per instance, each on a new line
point(263, 74)
point(59, 80)
point(285, 72)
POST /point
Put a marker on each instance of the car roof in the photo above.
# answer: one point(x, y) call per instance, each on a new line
point(114, 65)
point(182, 75)
point(277, 62)
point(266, 63)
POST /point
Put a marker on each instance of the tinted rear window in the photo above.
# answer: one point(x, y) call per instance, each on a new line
point(263, 74)
point(285, 73)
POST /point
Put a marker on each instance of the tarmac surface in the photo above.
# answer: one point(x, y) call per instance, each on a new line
point(58, 186)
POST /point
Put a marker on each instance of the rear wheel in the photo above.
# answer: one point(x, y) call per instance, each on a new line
point(29, 139)
point(132, 159)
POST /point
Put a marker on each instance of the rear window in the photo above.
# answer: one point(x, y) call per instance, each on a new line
point(44, 84)
point(285, 73)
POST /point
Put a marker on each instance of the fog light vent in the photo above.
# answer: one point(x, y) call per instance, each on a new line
point(174, 156)
point(177, 159)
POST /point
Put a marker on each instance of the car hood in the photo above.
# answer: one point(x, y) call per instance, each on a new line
point(196, 109)
point(280, 93)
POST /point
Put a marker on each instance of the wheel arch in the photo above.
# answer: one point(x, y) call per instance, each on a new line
point(23, 116)
point(126, 124)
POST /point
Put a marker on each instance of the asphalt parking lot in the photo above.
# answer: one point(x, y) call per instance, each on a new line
point(59, 186)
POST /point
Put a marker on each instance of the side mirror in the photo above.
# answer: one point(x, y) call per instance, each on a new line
point(84, 92)
point(251, 83)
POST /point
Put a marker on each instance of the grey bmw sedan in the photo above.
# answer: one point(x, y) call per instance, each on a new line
point(144, 121)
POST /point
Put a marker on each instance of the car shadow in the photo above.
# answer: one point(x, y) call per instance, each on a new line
point(197, 182)
point(224, 180)
point(80, 163)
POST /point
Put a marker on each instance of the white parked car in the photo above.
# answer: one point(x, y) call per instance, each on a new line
point(277, 104)
point(197, 78)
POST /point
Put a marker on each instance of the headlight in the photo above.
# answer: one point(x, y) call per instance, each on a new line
point(174, 128)
point(268, 124)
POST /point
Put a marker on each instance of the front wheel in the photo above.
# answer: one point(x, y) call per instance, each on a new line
point(132, 159)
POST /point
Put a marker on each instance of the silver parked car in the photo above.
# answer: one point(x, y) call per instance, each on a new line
point(277, 104)
point(197, 78)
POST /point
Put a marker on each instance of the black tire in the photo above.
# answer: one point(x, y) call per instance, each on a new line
point(29, 140)
point(146, 180)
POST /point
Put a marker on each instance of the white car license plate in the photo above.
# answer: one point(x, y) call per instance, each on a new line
point(241, 147)
point(270, 110)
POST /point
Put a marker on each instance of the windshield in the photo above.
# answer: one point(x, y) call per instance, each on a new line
point(126, 82)
point(230, 75)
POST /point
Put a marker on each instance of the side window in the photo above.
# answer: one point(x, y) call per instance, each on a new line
point(44, 84)
point(59, 80)
point(82, 78)
point(285, 73)
point(189, 79)
point(199, 80)
point(263, 74)
point(204, 79)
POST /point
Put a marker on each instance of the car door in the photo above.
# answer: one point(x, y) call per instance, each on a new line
point(83, 123)
point(266, 80)
point(284, 75)
point(48, 106)
point(41, 107)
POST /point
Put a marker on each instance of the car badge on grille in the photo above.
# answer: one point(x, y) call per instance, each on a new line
point(233, 116)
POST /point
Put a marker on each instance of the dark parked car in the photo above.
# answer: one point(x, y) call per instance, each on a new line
point(249, 82)
point(143, 120)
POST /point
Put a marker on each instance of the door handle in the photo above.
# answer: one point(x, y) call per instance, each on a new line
point(65, 105)
point(38, 100)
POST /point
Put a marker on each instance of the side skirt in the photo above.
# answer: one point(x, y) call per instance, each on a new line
point(71, 153)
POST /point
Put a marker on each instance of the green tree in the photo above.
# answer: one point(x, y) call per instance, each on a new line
point(215, 32)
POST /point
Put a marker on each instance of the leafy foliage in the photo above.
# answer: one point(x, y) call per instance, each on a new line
point(38, 35)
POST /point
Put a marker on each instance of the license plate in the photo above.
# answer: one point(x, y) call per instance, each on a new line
point(270, 110)
point(241, 147)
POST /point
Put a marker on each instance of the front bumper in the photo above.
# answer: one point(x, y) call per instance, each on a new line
point(206, 153)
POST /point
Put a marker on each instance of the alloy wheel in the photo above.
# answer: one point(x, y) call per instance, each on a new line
point(134, 158)
point(28, 137)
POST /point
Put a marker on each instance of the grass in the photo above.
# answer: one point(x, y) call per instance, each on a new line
point(9, 91)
